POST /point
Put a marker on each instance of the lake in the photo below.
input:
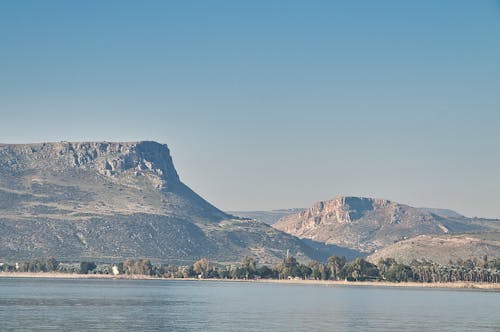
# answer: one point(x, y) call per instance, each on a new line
point(29, 304)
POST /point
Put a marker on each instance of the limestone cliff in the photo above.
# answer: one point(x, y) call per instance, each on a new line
point(367, 224)
point(99, 178)
point(111, 201)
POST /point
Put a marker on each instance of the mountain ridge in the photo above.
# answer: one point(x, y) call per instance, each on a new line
point(368, 224)
point(131, 166)
point(110, 200)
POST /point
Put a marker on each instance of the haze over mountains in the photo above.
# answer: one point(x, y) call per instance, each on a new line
point(269, 217)
point(102, 200)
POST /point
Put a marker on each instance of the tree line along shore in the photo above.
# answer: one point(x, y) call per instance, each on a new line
point(335, 269)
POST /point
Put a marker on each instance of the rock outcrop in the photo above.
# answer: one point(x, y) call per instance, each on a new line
point(100, 178)
point(111, 201)
point(106, 158)
point(367, 224)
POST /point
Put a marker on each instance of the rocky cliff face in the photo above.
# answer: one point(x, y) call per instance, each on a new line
point(99, 178)
point(113, 160)
point(368, 224)
point(344, 210)
point(111, 201)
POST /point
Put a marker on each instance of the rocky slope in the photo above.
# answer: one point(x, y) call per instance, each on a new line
point(98, 178)
point(442, 248)
point(107, 201)
point(367, 224)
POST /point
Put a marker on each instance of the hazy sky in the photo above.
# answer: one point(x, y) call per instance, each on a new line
point(271, 104)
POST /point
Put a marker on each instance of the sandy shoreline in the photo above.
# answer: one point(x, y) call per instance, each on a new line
point(453, 285)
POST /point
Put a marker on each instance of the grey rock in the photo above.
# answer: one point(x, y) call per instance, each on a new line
point(109, 201)
point(368, 224)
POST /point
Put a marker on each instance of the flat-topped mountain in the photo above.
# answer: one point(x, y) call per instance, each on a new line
point(367, 224)
point(107, 201)
point(98, 178)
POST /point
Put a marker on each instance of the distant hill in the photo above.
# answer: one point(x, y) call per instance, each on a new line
point(442, 248)
point(446, 213)
point(367, 224)
point(110, 201)
point(269, 217)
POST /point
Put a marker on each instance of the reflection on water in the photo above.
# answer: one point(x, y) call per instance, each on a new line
point(151, 305)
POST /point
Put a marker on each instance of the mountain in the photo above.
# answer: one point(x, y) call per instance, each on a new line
point(116, 200)
point(446, 213)
point(269, 217)
point(96, 178)
point(442, 248)
point(367, 224)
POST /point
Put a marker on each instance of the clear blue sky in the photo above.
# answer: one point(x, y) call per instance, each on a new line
point(271, 104)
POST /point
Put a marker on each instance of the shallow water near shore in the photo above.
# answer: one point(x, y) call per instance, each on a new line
point(29, 304)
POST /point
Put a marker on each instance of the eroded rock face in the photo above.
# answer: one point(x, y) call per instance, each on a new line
point(97, 178)
point(110, 159)
point(368, 224)
point(339, 210)
point(110, 201)
point(342, 209)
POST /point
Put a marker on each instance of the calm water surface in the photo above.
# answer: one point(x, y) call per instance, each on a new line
point(152, 305)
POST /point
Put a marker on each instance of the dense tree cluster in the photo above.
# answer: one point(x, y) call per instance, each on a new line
point(337, 268)
point(140, 266)
point(86, 267)
point(34, 265)
point(427, 271)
